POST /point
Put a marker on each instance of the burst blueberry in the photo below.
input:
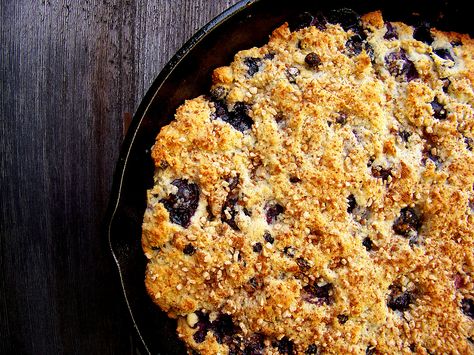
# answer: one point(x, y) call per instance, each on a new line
point(182, 205)
point(400, 66)
point(391, 32)
point(438, 109)
point(253, 65)
point(407, 223)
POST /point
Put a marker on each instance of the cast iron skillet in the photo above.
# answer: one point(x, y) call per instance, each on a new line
point(187, 75)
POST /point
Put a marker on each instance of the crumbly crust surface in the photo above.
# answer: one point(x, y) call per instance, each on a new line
point(321, 199)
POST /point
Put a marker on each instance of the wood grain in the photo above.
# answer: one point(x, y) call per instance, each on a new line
point(70, 71)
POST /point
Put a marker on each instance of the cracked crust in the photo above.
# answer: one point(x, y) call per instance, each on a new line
point(372, 248)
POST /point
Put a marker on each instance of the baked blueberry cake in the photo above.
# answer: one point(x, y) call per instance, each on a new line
point(320, 198)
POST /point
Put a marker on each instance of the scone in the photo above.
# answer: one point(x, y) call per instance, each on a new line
point(320, 199)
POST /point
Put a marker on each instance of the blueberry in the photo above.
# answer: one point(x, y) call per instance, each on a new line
point(342, 318)
point(446, 83)
point(272, 211)
point(400, 301)
point(268, 237)
point(189, 249)
point(203, 325)
point(400, 66)
point(218, 93)
point(303, 264)
point(318, 295)
point(444, 53)
point(269, 56)
point(313, 60)
point(354, 45)
point(253, 65)
point(367, 243)
point(295, 179)
point(284, 345)
point(467, 306)
point(230, 206)
point(254, 345)
point(469, 143)
point(239, 117)
point(182, 205)
point(381, 173)
point(427, 154)
point(370, 51)
point(351, 203)
point(256, 283)
point(407, 223)
point(257, 247)
point(289, 251)
point(391, 32)
point(348, 19)
point(439, 110)
point(422, 33)
point(456, 43)
point(221, 110)
point(223, 327)
point(404, 135)
point(341, 118)
point(292, 73)
point(312, 349)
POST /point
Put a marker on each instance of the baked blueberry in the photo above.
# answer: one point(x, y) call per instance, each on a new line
point(400, 301)
point(254, 345)
point(289, 251)
point(182, 205)
point(438, 109)
point(351, 203)
point(342, 318)
point(313, 60)
point(312, 349)
point(272, 211)
point(467, 306)
point(391, 32)
point(367, 243)
point(303, 264)
point(203, 325)
point(284, 346)
point(292, 73)
point(223, 328)
point(253, 65)
point(381, 173)
point(189, 249)
point(444, 53)
point(354, 45)
point(268, 237)
point(407, 223)
point(257, 247)
point(404, 135)
point(400, 66)
point(318, 295)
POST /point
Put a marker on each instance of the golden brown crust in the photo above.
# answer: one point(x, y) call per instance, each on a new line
point(345, 148)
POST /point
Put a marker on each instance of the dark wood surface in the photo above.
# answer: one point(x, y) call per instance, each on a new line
point(71, 73)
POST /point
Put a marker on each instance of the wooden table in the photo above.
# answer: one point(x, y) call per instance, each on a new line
point(72, 73)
